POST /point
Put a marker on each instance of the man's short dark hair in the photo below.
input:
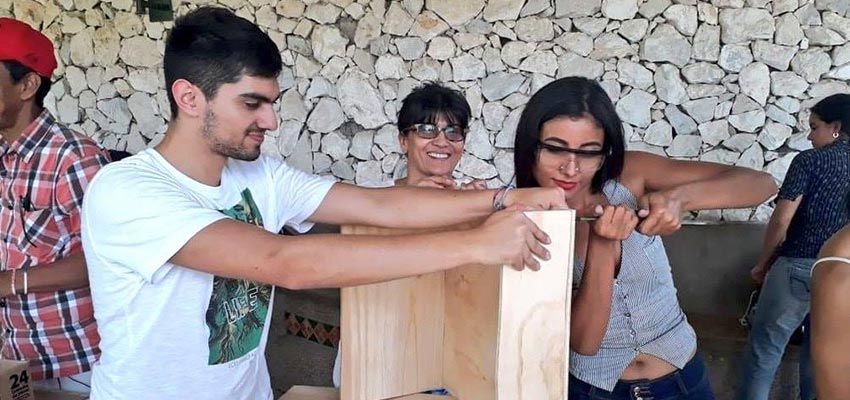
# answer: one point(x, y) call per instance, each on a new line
point(18, 71)
point(212, 46)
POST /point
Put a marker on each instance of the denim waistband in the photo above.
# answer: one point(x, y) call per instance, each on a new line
point(676, 382)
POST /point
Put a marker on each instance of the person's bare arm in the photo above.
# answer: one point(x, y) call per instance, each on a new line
point(418, 207)
point(831, 320)
point(777, 228)
point(68, 272)
point(63, 274)
point(591, 307)
point(237, 250)
point(667, 188)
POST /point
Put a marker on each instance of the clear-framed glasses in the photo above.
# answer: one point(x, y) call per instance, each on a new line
point(561, 157)
point(454, 133)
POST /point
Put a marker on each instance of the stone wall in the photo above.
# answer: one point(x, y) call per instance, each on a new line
point(723, 80)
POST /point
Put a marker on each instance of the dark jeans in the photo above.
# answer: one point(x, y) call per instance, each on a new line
point(689, 383)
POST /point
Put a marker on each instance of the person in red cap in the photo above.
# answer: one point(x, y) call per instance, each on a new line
point(45, 301)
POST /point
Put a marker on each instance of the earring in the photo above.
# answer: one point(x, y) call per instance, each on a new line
point(835, 135)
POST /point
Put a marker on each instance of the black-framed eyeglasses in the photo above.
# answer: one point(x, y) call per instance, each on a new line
point(585, 160)
point(453, 133)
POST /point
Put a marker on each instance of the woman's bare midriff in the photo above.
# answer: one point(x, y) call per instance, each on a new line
point(646, 366)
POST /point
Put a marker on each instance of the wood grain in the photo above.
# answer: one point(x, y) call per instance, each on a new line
point(310, 393)
point(483, 332)
point(533, 333)
point(323, 393)
point(392, 334)
point(469, 361)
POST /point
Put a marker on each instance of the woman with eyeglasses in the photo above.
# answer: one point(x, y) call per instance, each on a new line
point(809, 209)
point(629, 338)
point(433, 122)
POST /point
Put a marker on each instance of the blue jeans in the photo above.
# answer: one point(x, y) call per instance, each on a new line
point(689, 383)
point(783, 305)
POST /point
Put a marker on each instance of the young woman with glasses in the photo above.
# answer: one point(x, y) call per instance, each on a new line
point(629, 338)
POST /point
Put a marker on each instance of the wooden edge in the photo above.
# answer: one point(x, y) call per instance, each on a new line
point(310, 393)
point(326, 393)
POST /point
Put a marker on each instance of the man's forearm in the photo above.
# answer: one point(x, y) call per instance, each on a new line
point(429, 207)
point(401, 207)
point(315, 261)
point(63, 274)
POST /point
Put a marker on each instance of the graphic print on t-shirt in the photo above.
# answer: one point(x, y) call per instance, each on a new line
point(237, 311)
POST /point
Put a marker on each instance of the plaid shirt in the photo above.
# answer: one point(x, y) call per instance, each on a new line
point(44, 173)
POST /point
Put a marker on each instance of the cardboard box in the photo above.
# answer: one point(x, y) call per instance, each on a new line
point(14, 381)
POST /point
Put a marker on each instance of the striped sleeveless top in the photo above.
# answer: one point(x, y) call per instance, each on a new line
point(645, 314)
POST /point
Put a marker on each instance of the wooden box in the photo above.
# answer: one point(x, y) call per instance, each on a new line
point(482, 332)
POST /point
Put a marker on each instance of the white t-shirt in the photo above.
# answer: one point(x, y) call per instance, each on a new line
point(169, 332)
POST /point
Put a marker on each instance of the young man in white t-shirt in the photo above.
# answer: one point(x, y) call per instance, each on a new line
point(181, 239)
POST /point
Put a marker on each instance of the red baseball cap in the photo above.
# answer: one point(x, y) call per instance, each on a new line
point(19, 42)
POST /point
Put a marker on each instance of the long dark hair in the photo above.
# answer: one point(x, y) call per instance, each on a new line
point(570, 97)
point(834, 108)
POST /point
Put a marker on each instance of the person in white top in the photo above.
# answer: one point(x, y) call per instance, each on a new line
point(181, 240)
point(830, 317)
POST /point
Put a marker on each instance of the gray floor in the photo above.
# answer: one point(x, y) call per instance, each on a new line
point(722, 344)
point(296, 361)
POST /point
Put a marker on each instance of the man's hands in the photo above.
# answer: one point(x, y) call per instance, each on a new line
point(508, 237)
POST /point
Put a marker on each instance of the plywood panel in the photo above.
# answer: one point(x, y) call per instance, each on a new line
point(472, 300)
point(392, 335)
point(323, 393)
point(533, 334)
point(310, 393)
